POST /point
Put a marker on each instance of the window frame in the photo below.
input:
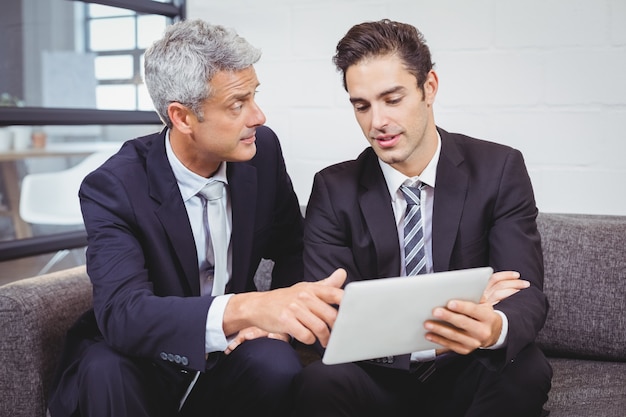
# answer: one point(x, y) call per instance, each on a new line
point(135, 80)
point(39, 116)
point(174, 10)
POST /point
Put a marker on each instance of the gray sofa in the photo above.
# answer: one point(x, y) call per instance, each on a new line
point(585, 334)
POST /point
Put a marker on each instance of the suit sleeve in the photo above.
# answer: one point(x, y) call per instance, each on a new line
point(515, 244)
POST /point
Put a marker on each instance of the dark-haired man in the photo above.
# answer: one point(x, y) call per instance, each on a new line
point(475, 207)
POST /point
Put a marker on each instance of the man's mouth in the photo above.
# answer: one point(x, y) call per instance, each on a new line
point(387, 141)
point(249, 139)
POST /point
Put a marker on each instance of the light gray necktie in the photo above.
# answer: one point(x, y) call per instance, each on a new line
point(217, 246)
point(414, 254)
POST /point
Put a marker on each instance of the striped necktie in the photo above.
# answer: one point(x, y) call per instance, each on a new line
point(414, 255)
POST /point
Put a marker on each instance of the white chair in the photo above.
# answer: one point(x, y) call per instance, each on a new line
point(51, 198)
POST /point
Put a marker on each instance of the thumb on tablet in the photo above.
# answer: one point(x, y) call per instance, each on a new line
point(336, 279)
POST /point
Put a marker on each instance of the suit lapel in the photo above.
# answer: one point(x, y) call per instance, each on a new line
point(242, 182)
point(171, 211)
point(375, 204)
point(450, 193)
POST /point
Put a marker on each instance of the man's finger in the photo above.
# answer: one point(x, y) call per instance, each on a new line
point(336, 279)
point(504, 275)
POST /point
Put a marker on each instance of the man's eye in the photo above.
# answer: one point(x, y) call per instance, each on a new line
point(361, 107)
point(394, 101)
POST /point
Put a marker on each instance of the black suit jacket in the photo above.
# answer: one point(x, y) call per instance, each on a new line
point(483, 215)
point(141, 255)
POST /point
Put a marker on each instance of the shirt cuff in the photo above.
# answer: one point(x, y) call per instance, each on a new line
point(215, 340)
point(503, 333)
point(423, 355)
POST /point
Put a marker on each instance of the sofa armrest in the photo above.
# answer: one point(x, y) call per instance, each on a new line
point(585, 271)
point(35, 314)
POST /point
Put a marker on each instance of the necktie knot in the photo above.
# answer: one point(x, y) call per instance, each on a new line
point(412, 193)
point(214, 190)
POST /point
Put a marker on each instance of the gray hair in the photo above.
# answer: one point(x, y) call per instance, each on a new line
point(179, 66)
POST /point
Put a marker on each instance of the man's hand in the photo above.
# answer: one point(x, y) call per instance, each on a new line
point(502, 285)
point(464, 326)
point(305, 310)
point(253, 333)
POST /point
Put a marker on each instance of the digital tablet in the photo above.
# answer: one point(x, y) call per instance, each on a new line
point(385, 317)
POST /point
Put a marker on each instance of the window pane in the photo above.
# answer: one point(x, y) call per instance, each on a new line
point(142, 71)
point(145, 102)
point(111, 34)
point(115, 67)
point(116, 97)
point(98, 10)
point(149, 29)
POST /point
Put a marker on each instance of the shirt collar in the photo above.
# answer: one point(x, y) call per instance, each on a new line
point(188, 181)
point(395, 178)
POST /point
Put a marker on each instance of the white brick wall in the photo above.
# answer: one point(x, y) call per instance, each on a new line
point(545, 76)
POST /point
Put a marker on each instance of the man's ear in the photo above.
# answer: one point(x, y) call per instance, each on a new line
point(430, 87)
point(182, 117)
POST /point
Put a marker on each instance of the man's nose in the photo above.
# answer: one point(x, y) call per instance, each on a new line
point(257, 117)
point(379, 118)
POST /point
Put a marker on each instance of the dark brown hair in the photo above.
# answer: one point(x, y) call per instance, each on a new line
point(385, 37)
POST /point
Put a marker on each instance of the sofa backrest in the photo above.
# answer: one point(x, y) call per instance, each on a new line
point(585, 273)
point(585, 277)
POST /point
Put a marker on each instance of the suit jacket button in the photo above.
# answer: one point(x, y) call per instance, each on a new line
point(184, 360)
point(170, 357)
point(164, 356)
point(177, 358)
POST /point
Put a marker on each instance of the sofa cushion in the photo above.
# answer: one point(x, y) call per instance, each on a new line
point(582, 388)
point(585, 272)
